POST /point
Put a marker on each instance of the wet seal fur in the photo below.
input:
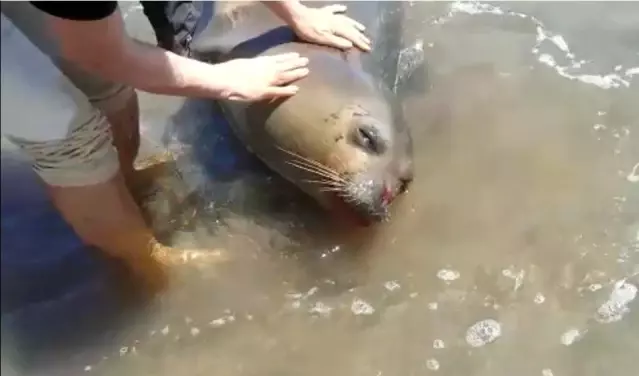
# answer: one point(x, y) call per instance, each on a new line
point(342, 138)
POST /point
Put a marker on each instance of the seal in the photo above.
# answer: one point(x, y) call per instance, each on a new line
point(342, 138)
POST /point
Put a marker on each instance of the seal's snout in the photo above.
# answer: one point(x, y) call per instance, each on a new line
point(369, 200)
point(404, 183)
point(387, 195)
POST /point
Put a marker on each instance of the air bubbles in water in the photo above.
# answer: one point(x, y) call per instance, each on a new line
point(391, 285)
point(617, 304)
point(517, 277)
point(360, 307)
point(448, 275)
point(483, 333)
point(432, 364)
point(569, 337)
point(633, 176)
point(594, 287)
point(321, 309)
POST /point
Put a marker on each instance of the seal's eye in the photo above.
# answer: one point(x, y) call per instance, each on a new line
point(368, 138)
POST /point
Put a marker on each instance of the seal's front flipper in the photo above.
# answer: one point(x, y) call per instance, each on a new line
point(412, 72)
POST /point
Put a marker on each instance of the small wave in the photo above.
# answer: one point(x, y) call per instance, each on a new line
point(544, 36)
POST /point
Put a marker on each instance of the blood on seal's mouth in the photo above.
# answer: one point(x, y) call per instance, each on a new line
point(365, 212)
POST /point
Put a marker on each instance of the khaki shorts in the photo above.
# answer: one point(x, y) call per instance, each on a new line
point(54, 112)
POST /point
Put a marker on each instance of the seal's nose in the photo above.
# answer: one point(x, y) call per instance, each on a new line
point(404, 183)
point(387, 194)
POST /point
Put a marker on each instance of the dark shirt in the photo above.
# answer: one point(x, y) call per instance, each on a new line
point(173, 22)
point(77, 10)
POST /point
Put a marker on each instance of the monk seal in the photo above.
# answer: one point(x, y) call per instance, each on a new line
point(342, 138)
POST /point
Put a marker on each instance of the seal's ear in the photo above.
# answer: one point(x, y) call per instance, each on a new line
point(412, 74)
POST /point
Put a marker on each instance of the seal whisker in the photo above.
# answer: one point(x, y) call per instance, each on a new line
point(326, 183)
point(328, 176)
point(343, 141)
point(332, 189)
point(309, 161)
point(348, 198)
point(326, 172)
point(313, 170)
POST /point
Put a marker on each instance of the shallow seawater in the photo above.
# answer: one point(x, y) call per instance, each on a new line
point(516, 250)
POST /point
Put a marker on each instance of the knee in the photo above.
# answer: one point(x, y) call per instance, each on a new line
point(86, 157)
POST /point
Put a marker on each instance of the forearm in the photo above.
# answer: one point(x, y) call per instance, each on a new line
point(117, 57)
point(155, 70)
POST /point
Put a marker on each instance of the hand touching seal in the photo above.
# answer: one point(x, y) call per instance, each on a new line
point(328, 26)
point(264, 77)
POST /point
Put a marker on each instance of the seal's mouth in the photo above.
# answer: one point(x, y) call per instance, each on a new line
point(366, 208)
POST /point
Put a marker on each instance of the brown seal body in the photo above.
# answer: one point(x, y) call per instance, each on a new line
point(341, 138)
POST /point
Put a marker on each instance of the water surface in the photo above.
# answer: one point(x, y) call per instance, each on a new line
point(516, 250)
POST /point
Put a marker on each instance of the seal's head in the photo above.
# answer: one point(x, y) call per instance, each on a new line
point(361, 164)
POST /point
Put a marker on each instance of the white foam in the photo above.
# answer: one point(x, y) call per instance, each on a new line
point(432, 364)
point(438, 344)
point(392, 285)
point(448, 275)
point(616, 307)
point(633, 176)
point(570, 336)
point(360, 307)
point(612, 80)
point(321, 309)
point(483, 332)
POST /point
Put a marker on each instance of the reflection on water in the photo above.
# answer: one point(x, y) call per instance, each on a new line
point(515, 252)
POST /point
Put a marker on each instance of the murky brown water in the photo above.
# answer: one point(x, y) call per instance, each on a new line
point(523, 218)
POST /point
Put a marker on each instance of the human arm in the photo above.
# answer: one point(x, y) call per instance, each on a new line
point(96, 41)
point(326, 25)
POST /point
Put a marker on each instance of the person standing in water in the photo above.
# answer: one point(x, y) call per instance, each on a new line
point(83, 132)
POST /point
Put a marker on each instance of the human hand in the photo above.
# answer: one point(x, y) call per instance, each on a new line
point(264, 77)
point(328, 26)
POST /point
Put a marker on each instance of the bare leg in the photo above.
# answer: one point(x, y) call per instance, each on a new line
point(87, 182)
point(125, 127)
point(104, 215)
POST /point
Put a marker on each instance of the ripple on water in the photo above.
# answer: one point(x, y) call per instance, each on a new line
point(620, 77)
point(483, 332)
